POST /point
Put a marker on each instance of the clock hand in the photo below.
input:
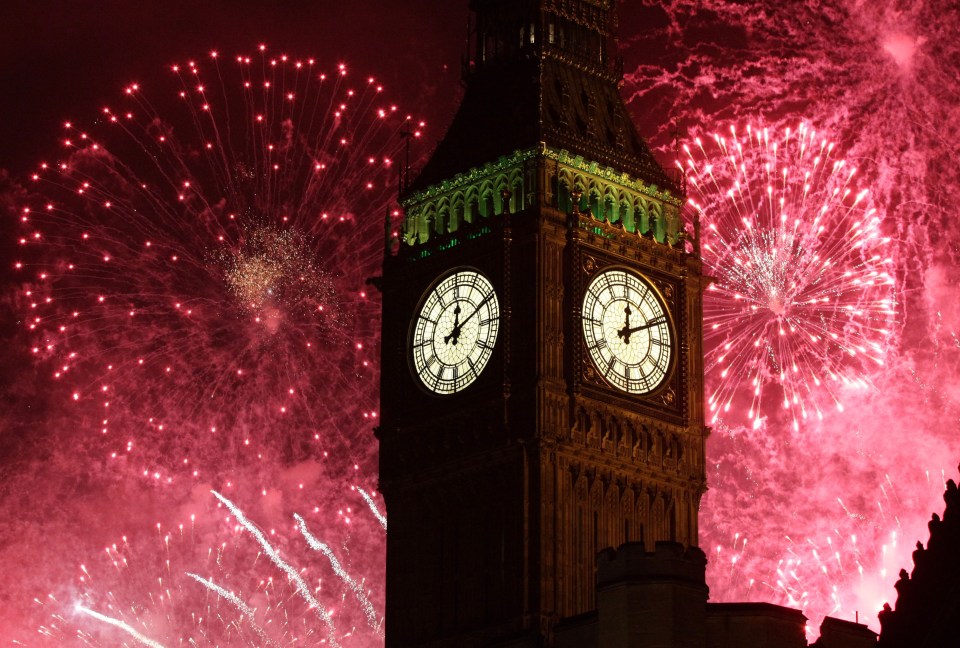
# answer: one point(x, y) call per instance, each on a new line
point(457, 326)
point(625, 332)
point(455, 333)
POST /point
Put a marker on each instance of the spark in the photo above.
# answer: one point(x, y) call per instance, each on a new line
point(281, 564)
point(373, 507)
point(804, 296)
point(238, 603)
point(117, 623)
point(355, 587)
point(191, 284)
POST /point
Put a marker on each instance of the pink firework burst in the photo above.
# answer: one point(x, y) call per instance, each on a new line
point(804, 293)
point(882, 78)
point(193, 291)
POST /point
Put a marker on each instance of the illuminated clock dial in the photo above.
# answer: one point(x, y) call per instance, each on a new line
point(627, 331)
point(455, 332)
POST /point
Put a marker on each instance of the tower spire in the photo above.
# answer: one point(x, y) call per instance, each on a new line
point(542, 72)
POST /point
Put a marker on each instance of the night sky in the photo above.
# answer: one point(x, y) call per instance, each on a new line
point(65, 58)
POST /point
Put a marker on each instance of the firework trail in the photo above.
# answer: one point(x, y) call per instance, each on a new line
point(373, 507)
point(291, 573)
point(238, 603)
point(882, 79)
point(804, 294)
point(355, 587)
point(192, 293)
point(146, 641)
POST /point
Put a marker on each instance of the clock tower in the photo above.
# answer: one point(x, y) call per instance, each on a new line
point(542, 371)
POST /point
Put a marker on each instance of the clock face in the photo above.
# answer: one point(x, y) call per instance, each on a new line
point(627, 331)
point(455, 332)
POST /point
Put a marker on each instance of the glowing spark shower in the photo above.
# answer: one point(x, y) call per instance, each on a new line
point(192, 291)
point(238, 603)
point(373, 507)
point(881, 81)
point(284, 566)
point(146, 641)
point(355, 587)
point(803, 296)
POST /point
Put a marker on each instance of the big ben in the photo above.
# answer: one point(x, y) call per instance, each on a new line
point(542, 371)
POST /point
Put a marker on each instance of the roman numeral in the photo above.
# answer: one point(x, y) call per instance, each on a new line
point(610, 365)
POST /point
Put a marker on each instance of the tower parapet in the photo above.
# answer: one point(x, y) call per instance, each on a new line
point(655, 598)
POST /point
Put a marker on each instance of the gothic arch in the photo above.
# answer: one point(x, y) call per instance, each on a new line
point(471, 212)
point(457, 203)
point(658, 513)
point(642, 516)
point(442, 225)
point(611, 534)
point(625, 442)
point(627, 516)
point(425, 222)
point(626, 214)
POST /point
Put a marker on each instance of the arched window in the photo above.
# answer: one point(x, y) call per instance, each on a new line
point(443, 221)
point(610, 209)
point(563, 197)
point(626, 215)
point(472, 210)
point(456, 214)
point(487, 205)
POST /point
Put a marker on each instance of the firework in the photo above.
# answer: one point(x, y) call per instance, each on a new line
point(146, 641)
point(803, 296)
point(881, 78)
point(193, 292)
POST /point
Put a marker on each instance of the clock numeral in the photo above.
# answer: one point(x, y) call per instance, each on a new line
point(483, 345)
point(485, 322)
point(601, 343)
point(430, 361)
point(610, 364)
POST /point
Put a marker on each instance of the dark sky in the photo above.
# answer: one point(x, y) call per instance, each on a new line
point(62, 58)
